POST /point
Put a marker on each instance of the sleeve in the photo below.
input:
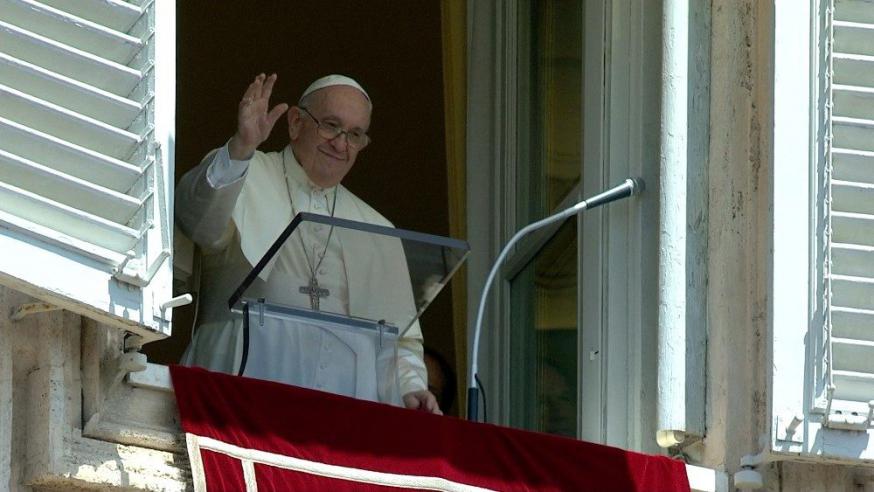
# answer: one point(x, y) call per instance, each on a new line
point(224, 171)
point(412, 372)
point(205, 199)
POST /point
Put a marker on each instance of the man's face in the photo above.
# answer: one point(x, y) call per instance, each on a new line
point(326, 161)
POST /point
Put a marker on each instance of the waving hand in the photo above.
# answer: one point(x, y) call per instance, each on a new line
point(254, 122)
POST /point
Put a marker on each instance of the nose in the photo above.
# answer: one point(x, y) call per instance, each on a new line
point(340, 142)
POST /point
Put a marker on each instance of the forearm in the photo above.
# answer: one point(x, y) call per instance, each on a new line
point(206, 196)
point(412, 373)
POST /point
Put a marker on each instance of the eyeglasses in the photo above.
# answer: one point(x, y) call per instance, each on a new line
point(330, 130)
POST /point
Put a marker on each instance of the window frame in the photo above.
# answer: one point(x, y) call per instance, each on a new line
point(620, 241)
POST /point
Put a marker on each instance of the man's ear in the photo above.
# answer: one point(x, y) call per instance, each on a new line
point(295, 122)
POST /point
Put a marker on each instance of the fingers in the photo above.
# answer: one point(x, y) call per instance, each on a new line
point(254, 89)
point(431, 403)
point(260, 88)
point(275, 113)
point(267, 87)
point(422, 400)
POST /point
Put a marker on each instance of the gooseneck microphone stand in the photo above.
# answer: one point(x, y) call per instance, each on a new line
point(630, 186)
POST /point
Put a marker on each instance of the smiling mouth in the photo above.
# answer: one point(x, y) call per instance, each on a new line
point(336, 157)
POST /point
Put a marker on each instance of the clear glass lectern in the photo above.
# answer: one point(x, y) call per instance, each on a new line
point(329, 304)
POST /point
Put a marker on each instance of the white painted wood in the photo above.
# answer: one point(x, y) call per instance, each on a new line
point(67, 157)
point(110, 259)
point(851, 210)
point(68, 190)
point(68, 61)
point(483, 134)
point(72, 94)
point(703, 479)
point(87, 286)
point(71, 30)
point(115, 14)
point(671, 407)
point(590, 315)
point(86, 153)
point(854, 11)
point(68, 220)
point(791, 223)
point(50, 118)
point(158, 245)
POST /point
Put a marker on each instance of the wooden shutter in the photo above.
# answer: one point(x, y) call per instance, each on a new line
point(851, 245)
point(86, 132)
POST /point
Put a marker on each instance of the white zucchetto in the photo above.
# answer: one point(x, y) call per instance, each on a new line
point(332, 80)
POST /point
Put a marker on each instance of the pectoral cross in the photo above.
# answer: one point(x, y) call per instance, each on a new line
point(315, 292)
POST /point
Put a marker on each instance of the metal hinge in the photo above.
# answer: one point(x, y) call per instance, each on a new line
point(789, 429)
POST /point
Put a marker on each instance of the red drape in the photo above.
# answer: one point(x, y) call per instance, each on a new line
point(298, 439)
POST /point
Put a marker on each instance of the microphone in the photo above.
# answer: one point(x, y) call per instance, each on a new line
point(631, 186)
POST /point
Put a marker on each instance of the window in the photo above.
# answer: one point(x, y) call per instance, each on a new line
point(86, 156)
point(543, 286)
point(823, 96)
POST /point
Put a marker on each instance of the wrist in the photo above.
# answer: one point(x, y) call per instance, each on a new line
point(239, 151)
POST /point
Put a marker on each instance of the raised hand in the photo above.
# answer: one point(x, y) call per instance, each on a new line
point(254, 122)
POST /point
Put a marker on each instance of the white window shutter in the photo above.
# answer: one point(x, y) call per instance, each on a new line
point(87, 108)
point(850, 273)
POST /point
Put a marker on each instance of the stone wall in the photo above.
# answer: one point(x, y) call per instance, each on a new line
point(69, 418)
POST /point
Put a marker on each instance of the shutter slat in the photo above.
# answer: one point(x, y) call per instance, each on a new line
point(849, 196)
point(854, 386)
point(852, 292)
point(68, 220)
point(854, 323)
point(70, 30)
point(854, 37)
point(853, 165)
point(66, 189)
point(853, 355)
point(854, 101)
point(55, 120)
point(65, 60)
point(66, 92)
point(853, 69)
point(68, 158)
point(853, 133)
point(853, 228)
point(57, 238)
point(115, 14)
point(853, 259)
point(854, 11)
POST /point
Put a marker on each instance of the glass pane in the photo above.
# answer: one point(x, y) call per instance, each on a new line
point(543, 366)
point(551, 115)
point(407, 269)
point(336, 339)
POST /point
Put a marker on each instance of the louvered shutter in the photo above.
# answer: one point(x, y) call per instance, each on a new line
point(87, 96)
point(850, 273)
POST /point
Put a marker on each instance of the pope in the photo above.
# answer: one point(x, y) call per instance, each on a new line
point(235, 203)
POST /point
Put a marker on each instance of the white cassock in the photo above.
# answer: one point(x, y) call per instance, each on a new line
point(235, 210)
